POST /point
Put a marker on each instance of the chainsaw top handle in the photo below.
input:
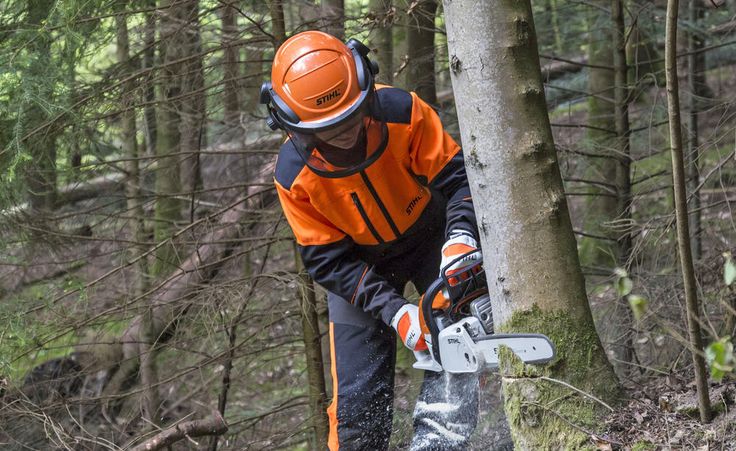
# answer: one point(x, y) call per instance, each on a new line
point(461, 286)
point(464, 282)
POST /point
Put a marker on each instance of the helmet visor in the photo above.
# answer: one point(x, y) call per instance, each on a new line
point(344, 149)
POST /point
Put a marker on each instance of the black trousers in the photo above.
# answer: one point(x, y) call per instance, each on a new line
point(363, 354)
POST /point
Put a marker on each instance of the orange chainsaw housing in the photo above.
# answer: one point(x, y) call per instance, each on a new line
point(440, 302)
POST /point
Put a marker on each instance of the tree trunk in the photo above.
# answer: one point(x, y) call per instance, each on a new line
point(698, 91)
point(41, 172)
point(602, 206)
point(278, 24)
point(133, 194)
point(420, 40)
point(683, 231)
point(622, 151)
point(230, 71)
point(528, 245)
point(135, 209)
point(168, 145)
point(149, 60)
point(381, 38)
point(333, 15)
point(193, 131)
point(313, 353)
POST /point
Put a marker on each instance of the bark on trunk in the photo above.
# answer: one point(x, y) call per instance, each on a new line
point(698, 91)
point(41, 173)
point(601, 207)
point(134, 203)
point(381, 38)
point(683, 232)
point(149, 56)
point(420, 40)
point(230, 71)
point(333, 15)
point(193, 131)
point(278, 24)
point(622, 149)
point(529, 248)
point(313, 352)
point(168, 145)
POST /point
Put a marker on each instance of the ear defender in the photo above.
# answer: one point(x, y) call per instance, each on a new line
point(272, 121)
point(277, 108)
point(366, 68)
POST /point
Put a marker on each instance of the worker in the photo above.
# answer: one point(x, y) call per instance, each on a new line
point(376, 194)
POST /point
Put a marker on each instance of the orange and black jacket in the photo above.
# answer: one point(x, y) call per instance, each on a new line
point(346, 226)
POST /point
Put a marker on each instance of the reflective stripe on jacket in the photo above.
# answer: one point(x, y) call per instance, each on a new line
point(345, 227)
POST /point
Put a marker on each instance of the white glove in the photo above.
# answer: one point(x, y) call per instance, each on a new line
point(459, 243)
point(406, 324)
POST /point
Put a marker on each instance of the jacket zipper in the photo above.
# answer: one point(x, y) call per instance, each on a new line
point(364, 215)
point(381, 206)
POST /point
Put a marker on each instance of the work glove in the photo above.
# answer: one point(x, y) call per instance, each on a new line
point(406, 324)
point(459, 243)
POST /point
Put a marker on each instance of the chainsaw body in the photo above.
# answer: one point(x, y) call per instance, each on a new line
point(457, 323)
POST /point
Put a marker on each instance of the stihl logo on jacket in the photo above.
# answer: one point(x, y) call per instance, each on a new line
point(413, 204)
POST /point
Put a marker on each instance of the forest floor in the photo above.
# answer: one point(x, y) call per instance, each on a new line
point(662, 414)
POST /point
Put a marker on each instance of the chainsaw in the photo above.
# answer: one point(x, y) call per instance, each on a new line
point(457, 323)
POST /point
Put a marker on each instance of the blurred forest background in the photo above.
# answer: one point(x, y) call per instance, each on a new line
point(148, 277)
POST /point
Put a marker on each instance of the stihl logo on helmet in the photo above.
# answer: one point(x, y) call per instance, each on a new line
point(326, 98)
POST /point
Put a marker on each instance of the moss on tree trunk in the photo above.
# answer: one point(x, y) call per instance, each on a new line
point(543, 412)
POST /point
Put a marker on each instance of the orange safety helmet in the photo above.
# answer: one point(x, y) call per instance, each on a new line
point(317, 83)
point(322, 94)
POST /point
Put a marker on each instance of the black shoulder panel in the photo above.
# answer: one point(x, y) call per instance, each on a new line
point(288, 165)
point(395, 105)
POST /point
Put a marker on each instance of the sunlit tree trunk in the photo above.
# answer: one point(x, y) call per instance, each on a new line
point(528, 245)
point(420, 41)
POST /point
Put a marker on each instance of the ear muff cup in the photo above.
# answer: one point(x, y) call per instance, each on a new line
point(365, 68)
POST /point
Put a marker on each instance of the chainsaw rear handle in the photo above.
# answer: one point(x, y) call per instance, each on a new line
point(429, 317)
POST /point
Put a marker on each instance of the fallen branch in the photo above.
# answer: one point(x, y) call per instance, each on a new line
point(75, 192)
point(212, 425)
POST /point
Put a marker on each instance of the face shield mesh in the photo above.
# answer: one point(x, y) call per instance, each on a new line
point(347, 147)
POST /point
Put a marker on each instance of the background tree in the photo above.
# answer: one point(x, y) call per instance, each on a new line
point(420, 76)
point(40, 138)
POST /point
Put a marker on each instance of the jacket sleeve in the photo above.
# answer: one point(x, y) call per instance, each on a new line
point(329, 256)
point(439, 159)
